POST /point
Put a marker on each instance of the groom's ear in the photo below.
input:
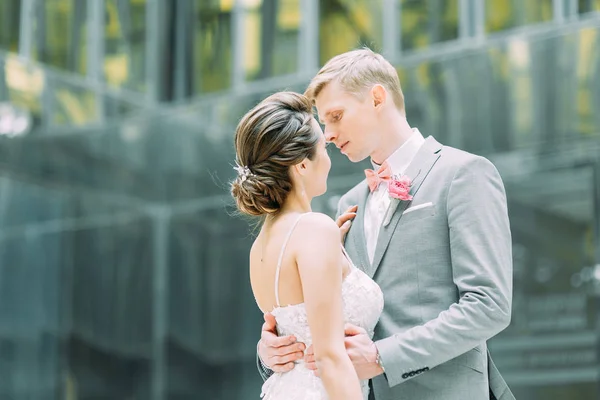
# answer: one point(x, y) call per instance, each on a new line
point(378, 95)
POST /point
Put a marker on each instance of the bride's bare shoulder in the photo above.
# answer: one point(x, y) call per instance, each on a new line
point(316, 231)
point(319, 224)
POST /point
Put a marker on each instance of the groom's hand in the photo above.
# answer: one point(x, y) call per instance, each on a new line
point(345, 220)
point(278, 353)
point(361, 350)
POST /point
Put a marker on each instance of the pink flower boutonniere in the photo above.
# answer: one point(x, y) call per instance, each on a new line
point(399, 188)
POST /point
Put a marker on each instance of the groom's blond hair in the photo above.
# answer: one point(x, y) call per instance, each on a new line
point(358, 71)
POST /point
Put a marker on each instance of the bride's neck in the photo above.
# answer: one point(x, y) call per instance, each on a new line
point(292, 205)
point(296, 203)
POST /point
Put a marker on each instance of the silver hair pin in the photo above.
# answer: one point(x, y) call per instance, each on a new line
point(243, 172)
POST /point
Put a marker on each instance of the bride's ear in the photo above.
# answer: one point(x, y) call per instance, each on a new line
point(299, 173)
point(302, 167)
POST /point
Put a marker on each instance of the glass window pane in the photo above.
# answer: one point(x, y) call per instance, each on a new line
point(51, 38)
point(586, 6)
point(553, 328)
point(212, 45)
point(348, 24)
point(125, 43)
point(271, 37)
point(503, 14)
point(9, 24)
point(426, 22)
point(60, 34)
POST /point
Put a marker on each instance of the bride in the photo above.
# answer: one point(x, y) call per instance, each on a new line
point(299, 271)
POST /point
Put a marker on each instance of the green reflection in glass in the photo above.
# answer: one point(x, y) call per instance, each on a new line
point(506, 14)
point(426, 22)
point(271, 29)
point(212, 46)
point(586, 67)
point(586, 6)
point(125, 43)
point(52, 28)
point(346, 24)
point(74, 106)
point(9, 24)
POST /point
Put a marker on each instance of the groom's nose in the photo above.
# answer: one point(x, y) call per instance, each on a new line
point(330, 136)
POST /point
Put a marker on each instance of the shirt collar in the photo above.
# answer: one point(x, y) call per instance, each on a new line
point(400, 159)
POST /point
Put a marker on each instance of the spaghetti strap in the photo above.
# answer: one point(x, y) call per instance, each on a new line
point(287, 238)
point(348, 257)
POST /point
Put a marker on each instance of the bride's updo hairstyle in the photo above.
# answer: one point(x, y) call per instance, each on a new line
point(273, 136)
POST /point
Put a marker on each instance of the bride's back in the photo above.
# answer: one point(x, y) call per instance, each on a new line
point(264, 257)
point(278, 243)
point(361, 298)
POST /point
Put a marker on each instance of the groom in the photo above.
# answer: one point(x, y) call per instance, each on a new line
point(440, 250)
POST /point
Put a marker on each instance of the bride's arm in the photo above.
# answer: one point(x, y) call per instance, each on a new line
point(319, 260)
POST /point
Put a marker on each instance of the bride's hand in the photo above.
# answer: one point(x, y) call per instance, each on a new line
point(345, 220)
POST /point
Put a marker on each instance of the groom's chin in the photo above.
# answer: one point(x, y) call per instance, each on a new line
point(354, 158)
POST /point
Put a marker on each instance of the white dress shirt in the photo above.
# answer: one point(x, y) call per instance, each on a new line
point(379, 200)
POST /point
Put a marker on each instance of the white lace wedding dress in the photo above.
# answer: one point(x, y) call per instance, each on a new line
point(363, 303)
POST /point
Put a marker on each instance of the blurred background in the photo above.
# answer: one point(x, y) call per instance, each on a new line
point(123, 274)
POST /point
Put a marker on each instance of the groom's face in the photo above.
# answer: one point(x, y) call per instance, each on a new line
point(349, 122)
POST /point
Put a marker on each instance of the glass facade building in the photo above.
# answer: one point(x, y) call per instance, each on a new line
point(123, 267)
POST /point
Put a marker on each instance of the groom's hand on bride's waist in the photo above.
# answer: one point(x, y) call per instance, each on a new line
point(361, 350)
point(278, 353)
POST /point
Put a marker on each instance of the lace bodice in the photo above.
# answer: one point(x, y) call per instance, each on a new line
point(362, 304)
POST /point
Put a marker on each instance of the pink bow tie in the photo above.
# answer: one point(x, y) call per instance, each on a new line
point(383, 174)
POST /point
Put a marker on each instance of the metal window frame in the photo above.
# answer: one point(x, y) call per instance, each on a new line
point(308, 36)
point(26, 27)
point(238, 78)
point(391, 17)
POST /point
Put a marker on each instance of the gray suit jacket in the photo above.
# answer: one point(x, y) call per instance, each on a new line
point(444, 264)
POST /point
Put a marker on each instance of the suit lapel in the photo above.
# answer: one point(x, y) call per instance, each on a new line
point(417, 171)
point(358, 233)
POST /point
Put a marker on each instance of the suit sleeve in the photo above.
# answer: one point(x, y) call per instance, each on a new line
point(341, 206)
point(264, 372)
point(481, 256)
